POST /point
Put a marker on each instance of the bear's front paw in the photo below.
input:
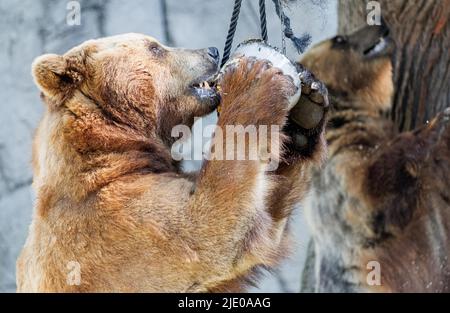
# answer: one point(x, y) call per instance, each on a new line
point(253, 91)
point(307, 119)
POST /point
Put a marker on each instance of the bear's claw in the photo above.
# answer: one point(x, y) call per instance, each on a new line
point(307, 118)
point(313, 88)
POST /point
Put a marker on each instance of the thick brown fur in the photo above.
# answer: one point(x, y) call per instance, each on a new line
point(111, 199)
point(381, 196)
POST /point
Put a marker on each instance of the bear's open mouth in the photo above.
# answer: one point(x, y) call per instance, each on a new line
point(206, 90)
point(381, 47)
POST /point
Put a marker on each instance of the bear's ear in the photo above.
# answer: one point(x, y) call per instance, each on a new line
point(53, 75)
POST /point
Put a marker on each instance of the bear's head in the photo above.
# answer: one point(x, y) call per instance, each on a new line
point(130, 81)
point(356, 68)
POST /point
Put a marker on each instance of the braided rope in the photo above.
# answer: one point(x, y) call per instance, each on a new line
point(231, 31)
point(280, 13)
point(263, 20)
point(300, 43)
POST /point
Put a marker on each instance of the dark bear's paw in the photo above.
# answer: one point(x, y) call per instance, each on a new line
point(307, 119)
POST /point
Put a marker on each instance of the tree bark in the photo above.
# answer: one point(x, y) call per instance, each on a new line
point(421, 30)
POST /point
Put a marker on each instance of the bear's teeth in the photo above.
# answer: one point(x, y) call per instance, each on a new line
point(204, 85)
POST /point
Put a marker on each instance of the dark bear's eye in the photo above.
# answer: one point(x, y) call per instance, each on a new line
point(156, 49)
point(340, 40)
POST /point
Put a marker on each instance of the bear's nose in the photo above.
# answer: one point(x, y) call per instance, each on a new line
point(213, 52)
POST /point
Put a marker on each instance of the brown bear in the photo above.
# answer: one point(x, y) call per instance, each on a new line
point(380, 208)
point(114, 211)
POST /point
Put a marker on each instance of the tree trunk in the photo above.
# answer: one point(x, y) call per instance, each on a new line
point(421, 30)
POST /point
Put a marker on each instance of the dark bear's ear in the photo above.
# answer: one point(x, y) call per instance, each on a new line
point(54, 76)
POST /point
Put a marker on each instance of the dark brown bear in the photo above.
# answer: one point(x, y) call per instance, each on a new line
point(381, 205)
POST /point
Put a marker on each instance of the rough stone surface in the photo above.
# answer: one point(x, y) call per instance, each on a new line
point(30, 28)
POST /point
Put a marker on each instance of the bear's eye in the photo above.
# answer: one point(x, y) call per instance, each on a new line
point(340, 40)
point(156, 49)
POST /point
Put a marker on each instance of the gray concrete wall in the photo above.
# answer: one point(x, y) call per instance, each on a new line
point(29, 28)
